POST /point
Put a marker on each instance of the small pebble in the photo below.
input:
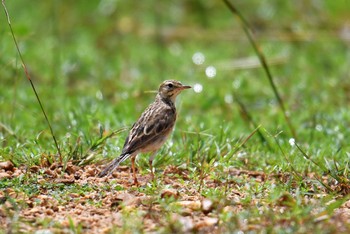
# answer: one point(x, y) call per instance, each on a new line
point(207, 206)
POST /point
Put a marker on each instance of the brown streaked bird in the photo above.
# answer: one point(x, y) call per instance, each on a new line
point(152, 129)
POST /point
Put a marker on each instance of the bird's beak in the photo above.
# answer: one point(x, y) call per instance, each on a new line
point(185, 87)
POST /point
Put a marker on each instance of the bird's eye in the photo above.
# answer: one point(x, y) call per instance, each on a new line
point(170, 85)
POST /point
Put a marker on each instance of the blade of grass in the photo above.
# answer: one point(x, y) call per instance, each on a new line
point(246, 116)
point(263, 62)
point(310, 159)
point(30, 80)
point(342, 183)
point(243, 143)
point(286, 158)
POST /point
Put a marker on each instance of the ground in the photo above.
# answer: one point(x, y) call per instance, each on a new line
point(69, 197)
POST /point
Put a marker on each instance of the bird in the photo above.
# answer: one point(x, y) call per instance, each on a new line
point(151, 130)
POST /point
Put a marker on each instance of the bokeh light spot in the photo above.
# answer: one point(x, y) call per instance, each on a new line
point(198, 88)
point(198, 58)
point(210, 72)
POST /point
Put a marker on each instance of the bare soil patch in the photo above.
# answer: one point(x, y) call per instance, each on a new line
point(72, 196)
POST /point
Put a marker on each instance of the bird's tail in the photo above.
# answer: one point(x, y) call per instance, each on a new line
point(113, 165)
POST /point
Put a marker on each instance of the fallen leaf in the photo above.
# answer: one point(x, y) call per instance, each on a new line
point(167, 193)
point(129, 199)
point(193, 205)
point(4, 175)
point(7, 166)
point(206, 222)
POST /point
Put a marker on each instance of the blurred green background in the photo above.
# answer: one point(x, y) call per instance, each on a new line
point(93, 63)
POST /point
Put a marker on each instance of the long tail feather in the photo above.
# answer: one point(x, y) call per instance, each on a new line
point(113, 165)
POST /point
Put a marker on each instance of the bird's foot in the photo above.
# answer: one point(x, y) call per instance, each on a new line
point(136, 182)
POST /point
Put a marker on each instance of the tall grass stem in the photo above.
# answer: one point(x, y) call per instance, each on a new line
point(263, 62)
point(30, 80)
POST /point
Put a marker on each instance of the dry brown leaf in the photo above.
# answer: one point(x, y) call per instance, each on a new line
point(5, 175)
point(193, 205)
point(206, 222)
point(6, 166)
point(167, 193)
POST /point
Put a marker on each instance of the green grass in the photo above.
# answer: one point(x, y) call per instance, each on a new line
point(93, 63)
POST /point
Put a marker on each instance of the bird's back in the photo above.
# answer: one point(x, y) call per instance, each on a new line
point(153, 127)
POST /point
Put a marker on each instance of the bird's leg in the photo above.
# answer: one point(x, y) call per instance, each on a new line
point(150, 160)
point(134, 170)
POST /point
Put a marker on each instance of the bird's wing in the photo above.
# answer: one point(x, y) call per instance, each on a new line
point(155, 122)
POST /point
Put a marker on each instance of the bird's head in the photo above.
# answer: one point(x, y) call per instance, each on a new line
point(169, 89)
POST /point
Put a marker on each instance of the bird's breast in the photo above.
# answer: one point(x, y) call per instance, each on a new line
point(157, 142)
